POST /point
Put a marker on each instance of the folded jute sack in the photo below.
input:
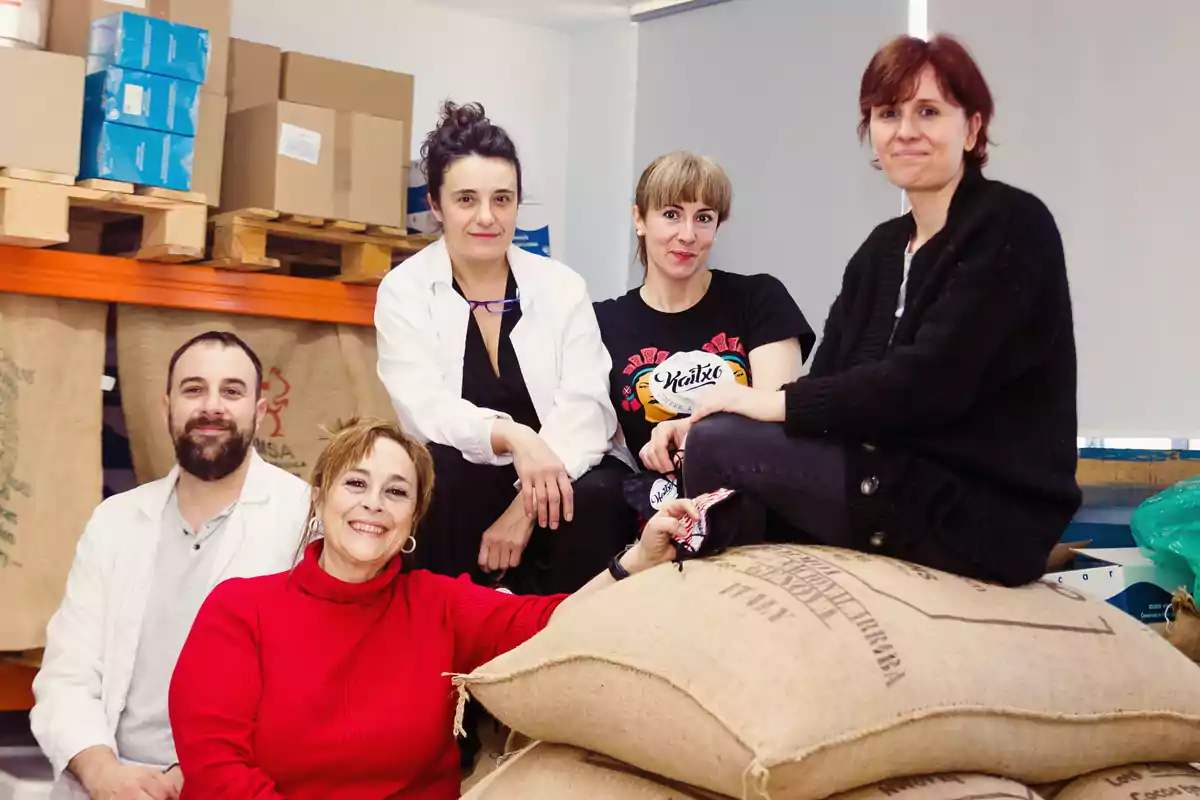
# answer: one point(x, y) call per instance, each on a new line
point(795, 672)
point(1138, 782)
point(555, 772)
point(314, 374)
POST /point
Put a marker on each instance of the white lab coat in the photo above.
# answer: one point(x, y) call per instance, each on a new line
point(93, 637)
point(422, 327)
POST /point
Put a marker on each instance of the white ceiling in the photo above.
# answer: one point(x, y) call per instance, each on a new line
point(550, 13)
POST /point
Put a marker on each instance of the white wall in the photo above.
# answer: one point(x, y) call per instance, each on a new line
point(519, 72)
point(1097, 113)
point(769, 88)
point(600, 169)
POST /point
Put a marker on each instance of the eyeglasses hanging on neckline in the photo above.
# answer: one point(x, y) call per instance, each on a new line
point(495, 306)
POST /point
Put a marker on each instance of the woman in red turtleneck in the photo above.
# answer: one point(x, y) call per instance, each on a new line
point(328, 681)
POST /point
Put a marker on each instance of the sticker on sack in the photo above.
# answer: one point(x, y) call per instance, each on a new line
point(681, 381)
point(695, 531)
point(648, 492)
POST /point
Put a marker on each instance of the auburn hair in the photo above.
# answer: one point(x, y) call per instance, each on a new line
point(349, 444)
point(895, 70)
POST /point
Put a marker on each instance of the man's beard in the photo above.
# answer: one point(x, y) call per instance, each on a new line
point(204, 461)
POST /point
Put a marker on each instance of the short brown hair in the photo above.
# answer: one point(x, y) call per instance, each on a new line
point(682, 177)
point(892, 77)
point(224, 339)
point(349, 444)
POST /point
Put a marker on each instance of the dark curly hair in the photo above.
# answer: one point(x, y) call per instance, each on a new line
point(464, 131)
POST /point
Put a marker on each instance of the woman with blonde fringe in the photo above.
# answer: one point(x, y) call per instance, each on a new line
point(688, 327)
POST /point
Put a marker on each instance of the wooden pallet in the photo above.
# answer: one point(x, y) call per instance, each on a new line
point(36, 211)
point(256, 240)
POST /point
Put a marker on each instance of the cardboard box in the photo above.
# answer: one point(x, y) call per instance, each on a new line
point(43, 93)
point(143, 100)
point(71, 21)
point(280, 156)
point(149, 44)
point(255, 73)
point(137, 155)
point(343, 86)
point(1127, 579)
point(23, 23)
point(210, 147)
point(212, 16)
point(370, 174)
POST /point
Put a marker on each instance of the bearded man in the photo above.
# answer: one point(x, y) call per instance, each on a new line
point(146, 562)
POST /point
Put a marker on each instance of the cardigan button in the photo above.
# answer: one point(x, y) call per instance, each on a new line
point(869, 486)
point(878, 539)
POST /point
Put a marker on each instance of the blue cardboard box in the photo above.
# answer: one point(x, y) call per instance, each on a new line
point(150, 45)
point(143, 100)
point(137, 155)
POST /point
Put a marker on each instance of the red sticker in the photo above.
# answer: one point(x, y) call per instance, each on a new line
point(696, 530)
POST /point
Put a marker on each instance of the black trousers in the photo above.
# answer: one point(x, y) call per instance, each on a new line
point(793, 489)
point(468, 498)
point(788, 489)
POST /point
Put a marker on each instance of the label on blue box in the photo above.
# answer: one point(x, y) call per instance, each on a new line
point(535, 241)
point(533, 229)
point(1125, 578)
point(151, 45)
point(137, 155)
point(144, 100)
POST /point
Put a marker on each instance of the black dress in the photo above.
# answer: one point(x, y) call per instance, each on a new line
point(469, 497)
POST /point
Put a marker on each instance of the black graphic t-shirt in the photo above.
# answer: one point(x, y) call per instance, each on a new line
point(737, 314)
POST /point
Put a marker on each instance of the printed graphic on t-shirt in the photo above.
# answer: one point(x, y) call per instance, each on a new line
point(663, 385)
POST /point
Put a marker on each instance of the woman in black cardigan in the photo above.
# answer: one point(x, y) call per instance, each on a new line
point(938, 420)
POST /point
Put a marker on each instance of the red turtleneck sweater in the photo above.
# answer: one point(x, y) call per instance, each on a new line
point(298, 685)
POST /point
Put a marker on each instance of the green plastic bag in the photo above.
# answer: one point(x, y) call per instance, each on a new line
point(1167, 527)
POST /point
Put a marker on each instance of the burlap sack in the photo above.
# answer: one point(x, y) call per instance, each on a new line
point(313, 375)
point(555, 772)
point(1140, 782)
point(51, 362)
point(563, 773)
point(797, 672)
point(944, 787)
point(1184, 630)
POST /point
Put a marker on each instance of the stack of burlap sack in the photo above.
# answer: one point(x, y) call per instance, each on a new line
point(802, 673)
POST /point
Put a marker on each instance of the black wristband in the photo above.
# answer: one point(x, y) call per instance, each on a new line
point(616, 569)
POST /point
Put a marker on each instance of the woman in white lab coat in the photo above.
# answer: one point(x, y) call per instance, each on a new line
point(493, 356)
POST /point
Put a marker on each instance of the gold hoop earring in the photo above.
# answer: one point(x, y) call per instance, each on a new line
point(412, 540)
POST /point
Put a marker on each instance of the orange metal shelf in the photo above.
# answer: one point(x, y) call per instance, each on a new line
point(16, 686)
point(122, 280)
